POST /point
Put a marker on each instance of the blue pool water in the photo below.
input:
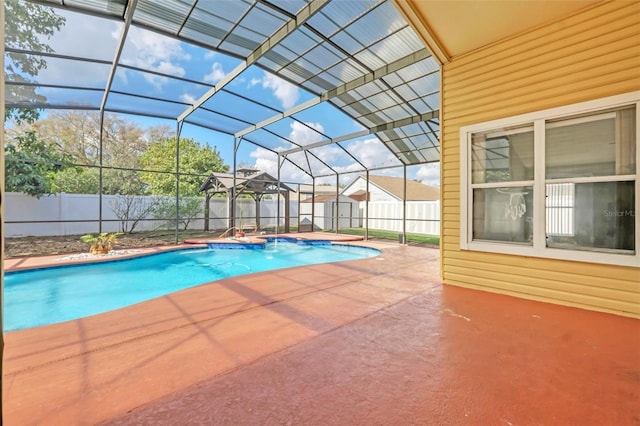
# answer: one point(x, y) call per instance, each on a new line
point(52, 295)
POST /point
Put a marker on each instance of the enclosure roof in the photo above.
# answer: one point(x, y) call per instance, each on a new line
point(258, 183)
point(359, 61)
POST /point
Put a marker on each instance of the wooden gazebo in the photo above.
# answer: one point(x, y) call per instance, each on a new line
point(249, 182)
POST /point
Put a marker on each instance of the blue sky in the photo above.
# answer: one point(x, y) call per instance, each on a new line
point(153, 52)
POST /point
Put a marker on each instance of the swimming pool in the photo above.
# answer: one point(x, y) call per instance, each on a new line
point(51, 295)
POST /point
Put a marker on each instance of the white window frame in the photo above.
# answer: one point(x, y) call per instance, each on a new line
point(539, 247)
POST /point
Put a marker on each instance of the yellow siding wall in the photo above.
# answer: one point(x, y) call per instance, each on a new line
point(590, 55)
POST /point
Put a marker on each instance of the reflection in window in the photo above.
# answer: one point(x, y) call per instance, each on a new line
point(502, 156)
point(560, 209)
point(604, 218)
point(600, 144)
point(503, 214)
point(597, 152)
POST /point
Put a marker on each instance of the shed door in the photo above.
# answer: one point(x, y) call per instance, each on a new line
point(344, 212)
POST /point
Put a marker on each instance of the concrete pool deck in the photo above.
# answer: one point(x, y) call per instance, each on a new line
point(372, 341)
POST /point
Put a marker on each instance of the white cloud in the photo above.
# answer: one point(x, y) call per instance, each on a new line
point(304, 135)
point(166, 67)
point(267, 161)
point(152, 51)
point(372, 153)
point(287, 93)
point(254, 81)
point(330, 154)
point(188, 98)
point(97, 42)
point(429, 174)
point(216, 74)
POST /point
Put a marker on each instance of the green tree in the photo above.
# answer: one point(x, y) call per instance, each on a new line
point(30, 165)
point(76, 180)
point(77, 134)
point(83, 180)
point(196, 162)
point(27, 27)
point(189, 208)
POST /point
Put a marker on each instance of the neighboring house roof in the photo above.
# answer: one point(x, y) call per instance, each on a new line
point(360, 195)
point(416, 191)
point(325, 197)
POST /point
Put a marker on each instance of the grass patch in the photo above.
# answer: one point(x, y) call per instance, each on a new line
point(393, 235)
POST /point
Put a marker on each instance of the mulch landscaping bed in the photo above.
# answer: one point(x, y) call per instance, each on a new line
point(42, 246)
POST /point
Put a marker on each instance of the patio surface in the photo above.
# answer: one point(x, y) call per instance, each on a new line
point(376, 341)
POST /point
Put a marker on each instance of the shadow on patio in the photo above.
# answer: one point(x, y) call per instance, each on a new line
point(375, 341)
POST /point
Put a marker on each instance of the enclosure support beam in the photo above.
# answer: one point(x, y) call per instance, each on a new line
point(404, 204)
point(366, 208)
point(123, 38)
point(278, 199)
point(382, 127)
point(232, 213)
point(299, 209)
point(344, 88)
point(337, 203)
point(290, 26)
point(178, 131)
point(112, 74)
point(313, 204)
point(100, 171)
point(2, 100)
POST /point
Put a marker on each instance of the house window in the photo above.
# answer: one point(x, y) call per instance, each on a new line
point(502, 182)
point(559, 183)
point(595, 154)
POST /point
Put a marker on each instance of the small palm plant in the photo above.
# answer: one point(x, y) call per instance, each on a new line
point(101, 243)
point(239, 228)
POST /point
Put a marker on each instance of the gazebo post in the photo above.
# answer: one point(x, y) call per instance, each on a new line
point(258, 198)
point(207, 200)
point(287, 212)
point(255, 185)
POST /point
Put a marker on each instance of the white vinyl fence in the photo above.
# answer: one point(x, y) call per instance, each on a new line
point(423, 217)
point(76, 214)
